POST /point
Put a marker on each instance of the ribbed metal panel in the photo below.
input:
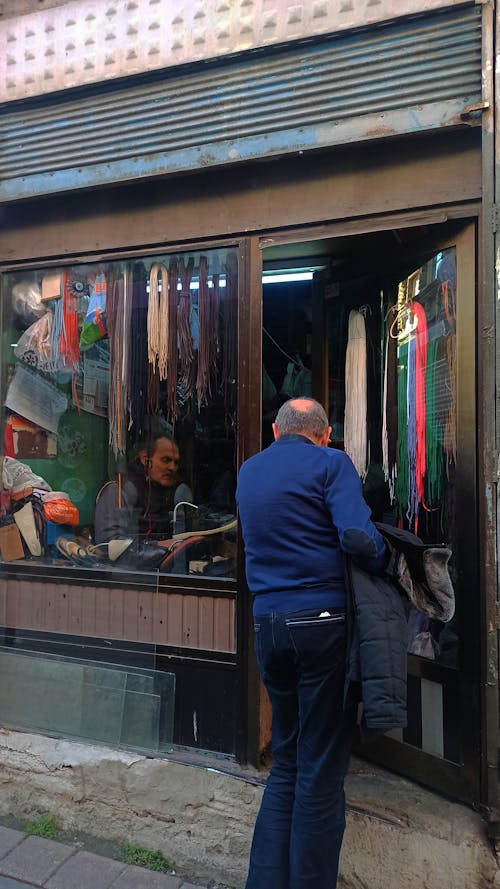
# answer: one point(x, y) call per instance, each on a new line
point(411, 75)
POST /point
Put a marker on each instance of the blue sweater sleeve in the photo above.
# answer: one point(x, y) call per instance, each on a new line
point(350, 514)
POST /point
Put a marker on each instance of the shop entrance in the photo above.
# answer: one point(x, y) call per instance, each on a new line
point(379, 327)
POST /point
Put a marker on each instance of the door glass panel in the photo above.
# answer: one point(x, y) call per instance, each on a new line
point(392, 403)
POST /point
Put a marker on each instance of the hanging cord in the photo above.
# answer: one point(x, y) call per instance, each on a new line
point(205, 344)
point(172, 352)
point(287, 356)
point(139, 352)
point(214, 322)
point(186, 348)
point(355, 417)
point(124, 326)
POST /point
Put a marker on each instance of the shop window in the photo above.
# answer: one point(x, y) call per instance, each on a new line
point(119, 393)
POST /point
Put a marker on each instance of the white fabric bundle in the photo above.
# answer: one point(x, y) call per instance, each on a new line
point(158, 319)
point(355, 423)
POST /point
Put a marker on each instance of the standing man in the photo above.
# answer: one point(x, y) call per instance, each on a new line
point(300, 506)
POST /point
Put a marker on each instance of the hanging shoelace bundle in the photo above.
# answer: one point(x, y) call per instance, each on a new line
point(139, 353)
point(390, 410)
point(207, 337)
point(214, 319)
point(69, 342)
point(158, 318)
point(417, 370)
point(434, 432)
point(56, 334)
point(157, 334)
point(411, 436)
point(355, 419)
point(401, 485)
point(450, 429)
point(186, 348)
point(69, 345)
point(229, 322)
point(421, 345)
point(172, 350)
point(118, 331)
point(126, 351)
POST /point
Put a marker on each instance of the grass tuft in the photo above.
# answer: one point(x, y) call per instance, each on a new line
point(43, 826)
point(153, 860)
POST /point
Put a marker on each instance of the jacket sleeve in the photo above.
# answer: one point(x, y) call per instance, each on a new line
point(112, 522)
point(351, 514)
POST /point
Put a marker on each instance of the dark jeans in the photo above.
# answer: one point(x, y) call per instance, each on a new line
point(301, 821)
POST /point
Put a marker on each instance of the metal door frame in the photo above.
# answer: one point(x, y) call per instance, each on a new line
point(459, 781)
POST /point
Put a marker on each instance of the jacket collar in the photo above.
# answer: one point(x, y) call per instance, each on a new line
point(293, 436)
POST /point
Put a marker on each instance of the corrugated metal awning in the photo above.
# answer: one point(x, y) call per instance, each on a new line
point(414, 75)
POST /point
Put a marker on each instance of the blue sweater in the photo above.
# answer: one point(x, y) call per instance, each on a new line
point(300, 505)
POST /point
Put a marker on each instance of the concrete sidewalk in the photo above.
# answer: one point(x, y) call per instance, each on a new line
point(31, 861)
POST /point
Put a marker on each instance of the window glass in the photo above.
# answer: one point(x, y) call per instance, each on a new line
point(119, 392)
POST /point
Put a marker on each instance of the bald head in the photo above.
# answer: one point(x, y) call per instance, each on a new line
point(303, 416)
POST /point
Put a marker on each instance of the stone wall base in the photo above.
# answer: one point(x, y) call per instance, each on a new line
point(201, 815)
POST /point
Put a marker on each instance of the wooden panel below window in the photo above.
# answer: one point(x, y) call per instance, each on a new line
point(175, 619)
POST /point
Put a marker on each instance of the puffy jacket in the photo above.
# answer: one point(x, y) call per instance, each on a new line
point(376, 649)
point(377, 606)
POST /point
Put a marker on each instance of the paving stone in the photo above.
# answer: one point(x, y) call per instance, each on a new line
point(7, 883)
point(9, 839)
point(140, 878)
point(86, 871)
point(35, 860)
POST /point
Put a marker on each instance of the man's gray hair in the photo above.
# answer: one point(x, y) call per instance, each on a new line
point(309, 421)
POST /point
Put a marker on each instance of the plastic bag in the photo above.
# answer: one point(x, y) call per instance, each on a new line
point(60, 511)
point(95, 324)
point(297, 381)
point(27, 302)
point(34, 345)
point(17, 477)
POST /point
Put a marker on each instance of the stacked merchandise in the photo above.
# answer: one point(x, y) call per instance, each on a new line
point(134, 343)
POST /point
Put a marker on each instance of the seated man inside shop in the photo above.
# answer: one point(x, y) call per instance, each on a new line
point(141, 511)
